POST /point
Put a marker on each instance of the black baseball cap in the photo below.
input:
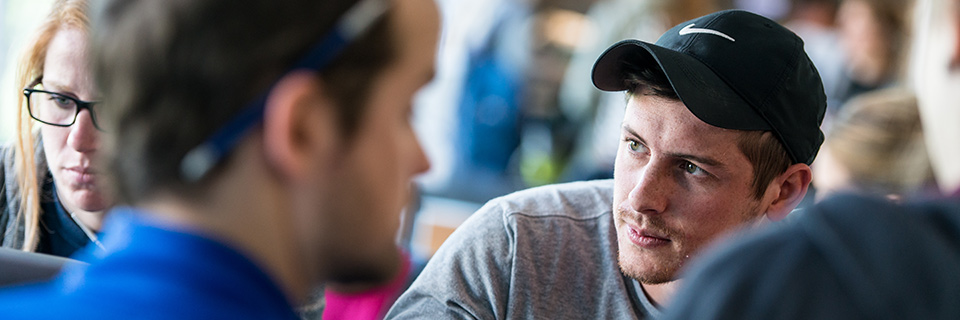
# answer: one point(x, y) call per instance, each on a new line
point(736, 70)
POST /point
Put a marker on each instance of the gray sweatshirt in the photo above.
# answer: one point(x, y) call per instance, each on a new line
point(11, 225)
point(543, 253)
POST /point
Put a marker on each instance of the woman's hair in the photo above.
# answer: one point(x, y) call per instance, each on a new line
point(64, 14)
point(878, 139)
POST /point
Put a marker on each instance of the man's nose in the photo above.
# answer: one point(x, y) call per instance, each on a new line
point(650, 193)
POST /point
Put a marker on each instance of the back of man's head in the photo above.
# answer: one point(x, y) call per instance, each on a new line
point(175, 72)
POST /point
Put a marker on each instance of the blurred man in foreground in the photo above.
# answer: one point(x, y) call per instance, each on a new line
point(264, 147)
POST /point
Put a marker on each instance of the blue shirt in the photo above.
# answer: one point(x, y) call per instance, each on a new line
point(151, 272)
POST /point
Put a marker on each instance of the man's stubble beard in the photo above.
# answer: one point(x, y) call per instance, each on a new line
point(671, 270)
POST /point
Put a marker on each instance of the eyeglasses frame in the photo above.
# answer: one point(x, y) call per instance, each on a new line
point(81, 105)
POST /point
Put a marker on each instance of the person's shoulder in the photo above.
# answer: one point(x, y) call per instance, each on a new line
point(8, 181)
point(20, 302)
point(873, 257)
point(8, 159)
point(864, 221)
point(940, 213)
point(99, 300)
point(7, 156)
point(46, 300)
point(557, 204)
point(575, 200)
point(487, 267)
point(883, 241)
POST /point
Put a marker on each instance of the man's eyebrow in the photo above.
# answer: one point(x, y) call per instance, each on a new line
point(632, 133)
point(704, 160)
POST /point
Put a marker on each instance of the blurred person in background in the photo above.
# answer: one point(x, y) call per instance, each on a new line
point(482, 62)
point(815, 21)
point(701, 153)
point(857, 257)
point(263, 148)
point(53, 199)
point(875, 145)
point(873, 36)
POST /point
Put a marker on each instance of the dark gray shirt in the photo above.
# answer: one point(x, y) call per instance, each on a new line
point(542, 253)
point(849, 257)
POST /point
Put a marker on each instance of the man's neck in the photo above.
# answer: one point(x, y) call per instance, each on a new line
point(660, 294)
point(246, 210)
point(252, 238)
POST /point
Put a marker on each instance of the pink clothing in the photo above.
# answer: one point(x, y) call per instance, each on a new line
point(370, 304)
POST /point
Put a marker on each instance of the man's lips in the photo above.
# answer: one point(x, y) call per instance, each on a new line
point(646, 238)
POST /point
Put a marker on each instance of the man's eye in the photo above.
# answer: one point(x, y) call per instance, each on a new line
point(636, 146)
point(692, 169)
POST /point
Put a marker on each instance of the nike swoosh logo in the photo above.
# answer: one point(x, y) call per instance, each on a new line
point(690, 29)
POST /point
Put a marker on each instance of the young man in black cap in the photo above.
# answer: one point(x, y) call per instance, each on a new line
point(720, 126)
point(855, 257)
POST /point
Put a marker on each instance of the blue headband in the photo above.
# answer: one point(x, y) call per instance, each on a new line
point(202, 158)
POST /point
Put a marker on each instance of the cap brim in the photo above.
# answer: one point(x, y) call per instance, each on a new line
point(704, 93)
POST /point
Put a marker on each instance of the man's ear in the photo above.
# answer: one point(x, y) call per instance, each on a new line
point(298, 125)
point(787, 190)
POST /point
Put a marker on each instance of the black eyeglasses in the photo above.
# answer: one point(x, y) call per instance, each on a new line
point(199, 160)
point(54, 108)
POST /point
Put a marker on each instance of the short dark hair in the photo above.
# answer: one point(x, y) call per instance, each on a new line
point(173, 72)
point(764, 151)
point(639, 75)
point(767, 155)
